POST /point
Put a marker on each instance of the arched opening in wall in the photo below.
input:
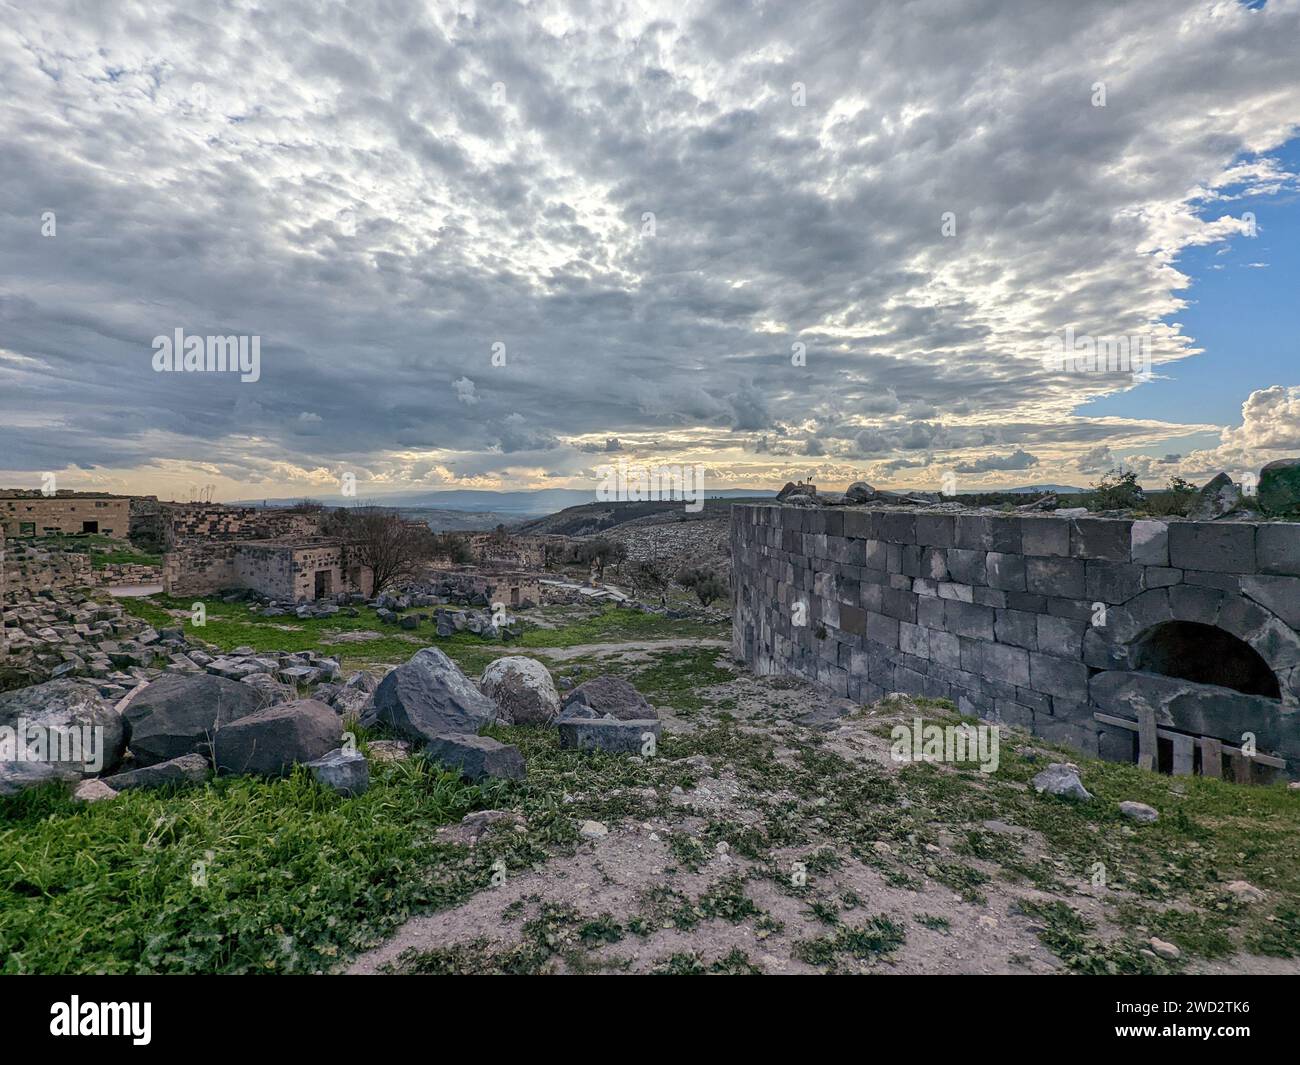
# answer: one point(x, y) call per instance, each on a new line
point(1205, 654)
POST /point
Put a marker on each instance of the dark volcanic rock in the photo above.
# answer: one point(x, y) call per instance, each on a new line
point(477, 757)
point(610, 695)
point(270, 742)
point(178, 715)
point(429, 696)
point(187, 769)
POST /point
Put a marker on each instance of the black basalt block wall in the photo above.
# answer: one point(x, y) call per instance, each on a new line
point(1024, 619)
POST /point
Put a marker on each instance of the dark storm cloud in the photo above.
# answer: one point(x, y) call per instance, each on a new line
point(628, 207)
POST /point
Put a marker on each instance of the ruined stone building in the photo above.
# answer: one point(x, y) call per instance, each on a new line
point(1172, 643)
point(279, 553)
point(29, 513)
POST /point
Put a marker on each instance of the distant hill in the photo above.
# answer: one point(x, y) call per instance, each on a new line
point(524, 504)
point(1038, 489)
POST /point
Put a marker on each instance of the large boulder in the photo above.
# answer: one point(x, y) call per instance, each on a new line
point(1217, 497)
point(428, 697)
point(62, 725)
point(522, 689)
point(1279, 487)
point(270, 742)
point(609, 696)
point(178, 715)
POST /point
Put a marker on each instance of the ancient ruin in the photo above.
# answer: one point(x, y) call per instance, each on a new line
point(1174, 643)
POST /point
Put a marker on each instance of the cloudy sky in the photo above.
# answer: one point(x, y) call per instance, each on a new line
point(494, 245)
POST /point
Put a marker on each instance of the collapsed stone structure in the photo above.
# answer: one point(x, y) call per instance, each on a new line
point(280, 553)
point(1173, 642)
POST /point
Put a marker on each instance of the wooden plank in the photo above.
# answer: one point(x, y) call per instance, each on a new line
point(1166, 734)
point(1211, 757)
point(1184, 754)
point(1240, 768)
point(1148, 751)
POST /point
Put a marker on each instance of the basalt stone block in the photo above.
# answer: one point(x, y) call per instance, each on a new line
point(913, 640)
point(899, 604)
point(970, 620)
point(1281, 595)
point(1113, 582)
point(1045, 536)
point(945, 648)
point(1056, 577)
point(1005, 571)
point(1105, 538)
point(929, 612)
point(272, 741)
point(1060, 636)
point(1008, 665)
point(1016, 627)
point(967, 566)
point(1218, 547)
point(857, 524)
point(897, 527)
point(1277, 546)
point(882, 629)
point(481, 757)
point(1058, 677)
point(935, 530)
point(853, 619)
point(1149, 543)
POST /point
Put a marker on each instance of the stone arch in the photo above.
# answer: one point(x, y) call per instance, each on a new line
point(1204, 654)
point(1116, 643)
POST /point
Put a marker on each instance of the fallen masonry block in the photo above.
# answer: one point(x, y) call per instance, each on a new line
point(477, 757)
point(187, 769)
point(343, 771)
point(609, 734)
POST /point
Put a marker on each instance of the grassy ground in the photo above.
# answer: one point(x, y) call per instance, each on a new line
point(103, 550)
point(231, 625)
point(241, 875)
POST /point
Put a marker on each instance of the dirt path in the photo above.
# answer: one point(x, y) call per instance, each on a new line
point(632, 651)
point(801, 846)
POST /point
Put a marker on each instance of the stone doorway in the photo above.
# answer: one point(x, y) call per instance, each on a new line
point(324, 583)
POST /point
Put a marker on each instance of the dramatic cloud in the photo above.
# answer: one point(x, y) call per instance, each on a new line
point(481, 241)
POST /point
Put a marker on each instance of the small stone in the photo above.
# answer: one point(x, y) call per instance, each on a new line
point(1062, 779)
point(1165, 950)
point(1139, 811)
point(343, 771)
point(593, 830)
point(1244, 892)
point(93, 791)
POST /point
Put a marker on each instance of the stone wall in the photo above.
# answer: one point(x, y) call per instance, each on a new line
point(33, 514)
point(1038, 621)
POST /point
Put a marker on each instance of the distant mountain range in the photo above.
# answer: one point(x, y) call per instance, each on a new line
point(1035, 489)
point(518, 504)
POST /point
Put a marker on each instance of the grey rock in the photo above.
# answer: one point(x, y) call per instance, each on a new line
point(60, 711)
point(522, 689)
point(611, 735)
point(187, 769)
point(1139, 811)
point(178, 715)
point(272, 741)
point(1217, 497)
point(613, 696)
point(343, 771)
point(477, 757)
point(1279, 487)
point(429, 696)
point(1061, 779)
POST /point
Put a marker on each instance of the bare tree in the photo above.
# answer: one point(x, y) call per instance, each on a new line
point(391, 547)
